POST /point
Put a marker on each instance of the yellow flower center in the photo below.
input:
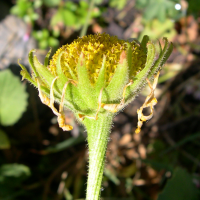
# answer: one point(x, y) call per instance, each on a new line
point(94, 47)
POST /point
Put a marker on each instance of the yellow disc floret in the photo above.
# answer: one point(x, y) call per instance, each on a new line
point(94, 48)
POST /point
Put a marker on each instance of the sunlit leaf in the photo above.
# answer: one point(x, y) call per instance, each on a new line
point(13, 98)
point(56, 18)
point(68, 17)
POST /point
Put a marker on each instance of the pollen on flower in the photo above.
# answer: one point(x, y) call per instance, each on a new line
point(94, 48)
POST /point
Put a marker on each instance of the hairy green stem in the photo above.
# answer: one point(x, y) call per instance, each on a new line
point(98, 133)
point(85, 26)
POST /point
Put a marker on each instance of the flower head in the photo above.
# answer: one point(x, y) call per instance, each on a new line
point(94, 48)
point(97, 74)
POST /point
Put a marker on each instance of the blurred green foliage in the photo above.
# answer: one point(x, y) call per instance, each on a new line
point(179, 187)
point(4, 140)
point(72, 15)
point(118, 4)
point(11, 177)
point(159, 9)
point(158, 17)
point(26, 10)
point(156, 29)
point(14, 173)
point(69, 14)
point(44, 39)
point(13, 98)
point(193, 7)
point(51, 3)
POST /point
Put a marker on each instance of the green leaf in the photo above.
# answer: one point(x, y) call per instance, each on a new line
point(4, 141)
point(43, 44)
point(65, 16)
point(117, 4)
point(162, 14)
point(156, 29)
point(71, 6)
point(159, 9)
point(22, 8)
point(33, 16)
point(151, 11)
point(97, 2)
point(13, 174)
point(37, 35)
point(58, 17)
point(179, 187)
point(84, 5)
point(37, 3)
point(45, 33)
point(13, 98)
point(14, 170)
point(56, 32)
point(53, 42)
point(68, 17)
point(51, 3)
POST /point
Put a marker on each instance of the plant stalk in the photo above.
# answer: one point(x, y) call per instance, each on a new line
point(85, 26)
point(98, 134)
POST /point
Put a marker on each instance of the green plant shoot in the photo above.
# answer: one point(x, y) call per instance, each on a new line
point(95, 77)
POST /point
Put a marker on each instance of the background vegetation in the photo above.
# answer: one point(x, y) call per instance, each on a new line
point(40, 161)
